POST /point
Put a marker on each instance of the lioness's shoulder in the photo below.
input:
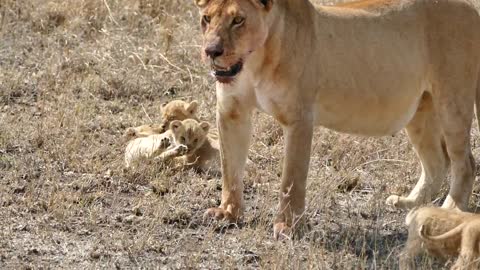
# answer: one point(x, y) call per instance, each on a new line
point(374, 6)
point(368, 4)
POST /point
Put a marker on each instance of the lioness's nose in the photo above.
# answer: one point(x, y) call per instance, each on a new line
point(214, 50)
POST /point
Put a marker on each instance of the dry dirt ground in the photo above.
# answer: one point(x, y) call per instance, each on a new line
point(75, 73)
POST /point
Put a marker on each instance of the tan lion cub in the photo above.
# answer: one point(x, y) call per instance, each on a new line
point(173, 110)
point(157, 146)
point(443, 233)
point(200, 141)
point(185, 140)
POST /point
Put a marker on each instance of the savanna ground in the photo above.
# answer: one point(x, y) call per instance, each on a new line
point(74, 74)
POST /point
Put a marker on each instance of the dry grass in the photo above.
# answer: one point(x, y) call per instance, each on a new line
point(75, 73)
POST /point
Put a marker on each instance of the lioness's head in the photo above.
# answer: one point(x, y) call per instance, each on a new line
point(190, 133)
point(232, 30)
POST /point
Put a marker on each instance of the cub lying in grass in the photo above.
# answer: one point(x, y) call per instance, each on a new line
point(443, 233)
point(185, 143)
point(173, 110)
point(200, 141)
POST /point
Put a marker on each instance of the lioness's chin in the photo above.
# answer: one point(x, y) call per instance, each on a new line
point(225, 80)
point(227, 75)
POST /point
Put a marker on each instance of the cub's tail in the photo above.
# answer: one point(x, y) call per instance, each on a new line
point(445, 236)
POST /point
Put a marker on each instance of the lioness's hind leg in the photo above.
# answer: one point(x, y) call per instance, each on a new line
point(456, 113)
point(425, 135)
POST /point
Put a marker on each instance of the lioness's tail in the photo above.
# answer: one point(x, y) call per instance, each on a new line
point(453, 232)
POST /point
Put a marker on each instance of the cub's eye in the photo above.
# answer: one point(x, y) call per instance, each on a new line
point(206, 19)
point(182, 139)
point(195, 141)
point(237, 21)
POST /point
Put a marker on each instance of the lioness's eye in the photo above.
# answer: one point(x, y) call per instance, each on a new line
point(238, 20)
point(206, 19)
point(182, 139)
point(195, 141)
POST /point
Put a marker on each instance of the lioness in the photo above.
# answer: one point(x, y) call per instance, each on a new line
point(407, 63)
point(443, 233)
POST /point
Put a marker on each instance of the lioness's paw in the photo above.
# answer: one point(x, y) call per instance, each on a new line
point(181, 150)
point(449, 203)
point(282, 231)
point(219, 214)
point(165, 143)
point(392, 200)
point(401, 202)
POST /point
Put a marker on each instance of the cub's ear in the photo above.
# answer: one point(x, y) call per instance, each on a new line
point(205, 126)
point(201, 3)
point(192, 107)
point(175, 125)
point(164, 104)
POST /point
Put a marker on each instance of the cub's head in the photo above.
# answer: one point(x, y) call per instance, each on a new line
point(177, 110)
point(232, 30)
point(190, 133)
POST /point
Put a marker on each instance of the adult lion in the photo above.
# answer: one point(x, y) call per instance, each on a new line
point(369, 68)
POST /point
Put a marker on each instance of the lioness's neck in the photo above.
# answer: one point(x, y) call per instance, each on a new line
point(289, 22)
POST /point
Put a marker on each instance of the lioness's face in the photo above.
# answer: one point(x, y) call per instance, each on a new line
point(232, 30)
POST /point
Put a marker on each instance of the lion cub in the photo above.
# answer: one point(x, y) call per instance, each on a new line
point(157, 146)
point(173, 110)
point(185, 143)
point(443, 233)
point(200, 142)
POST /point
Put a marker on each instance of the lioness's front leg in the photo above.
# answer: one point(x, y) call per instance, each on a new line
point(234, 126)
point(298, 141)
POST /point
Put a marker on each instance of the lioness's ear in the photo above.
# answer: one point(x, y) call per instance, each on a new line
point(205, 126)
point(267, 4)
point(174, 125)
point(201, 3)
point(192, 107)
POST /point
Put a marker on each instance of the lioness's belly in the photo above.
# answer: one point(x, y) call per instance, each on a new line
point(373, 114)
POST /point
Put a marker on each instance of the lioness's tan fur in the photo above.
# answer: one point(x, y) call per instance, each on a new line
point(443, 233)
point(369, 68)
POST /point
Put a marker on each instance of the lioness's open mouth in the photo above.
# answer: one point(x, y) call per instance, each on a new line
point(226, 75)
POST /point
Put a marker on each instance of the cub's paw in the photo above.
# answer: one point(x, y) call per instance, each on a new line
point(282, 231)
point(165, 143)
point(130, 133)
point(181, 150)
